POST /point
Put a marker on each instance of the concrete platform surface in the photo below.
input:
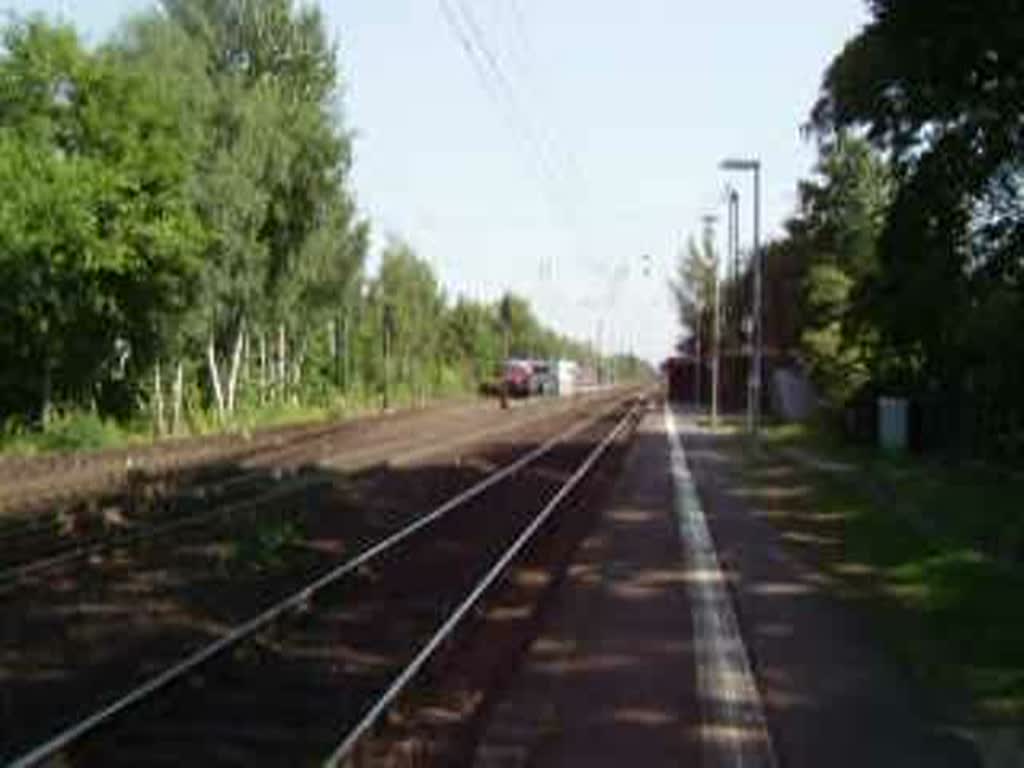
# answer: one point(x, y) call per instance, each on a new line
point(642, 661)
point(610, 679)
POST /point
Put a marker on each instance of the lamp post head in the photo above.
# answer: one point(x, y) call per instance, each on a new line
point(739, 164)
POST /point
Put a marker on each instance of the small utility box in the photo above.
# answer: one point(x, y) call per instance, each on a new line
point(892, 424)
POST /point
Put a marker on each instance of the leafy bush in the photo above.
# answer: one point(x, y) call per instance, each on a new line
point(66, 432)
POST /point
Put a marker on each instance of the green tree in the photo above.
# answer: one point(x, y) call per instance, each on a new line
point(835, 235)
point(939, 92)
point(287, 242)
point(99, 240)
point(472, 339)
point(178, 199)
point(693, 288)
point(410, 307)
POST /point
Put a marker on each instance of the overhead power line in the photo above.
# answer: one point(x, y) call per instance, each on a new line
point(487, 65)
point(470, 51)
point(499, 87)
point(559, 165)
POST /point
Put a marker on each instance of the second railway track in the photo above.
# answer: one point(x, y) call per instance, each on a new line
point(36, 483)
point(37, 542)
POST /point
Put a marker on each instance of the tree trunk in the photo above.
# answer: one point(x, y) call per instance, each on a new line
point(236, 360)
point(345, 353)
point(282, 360)
point(179, 382)
point(334, 331)
point(700, 370)
point(246, 372)
point(158, 401)
point(218, 392)
point(263, 367)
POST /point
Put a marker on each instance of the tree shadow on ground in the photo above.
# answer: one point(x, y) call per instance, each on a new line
point(76, 638)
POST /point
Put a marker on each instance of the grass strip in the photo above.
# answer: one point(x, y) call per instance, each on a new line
point(949, 604)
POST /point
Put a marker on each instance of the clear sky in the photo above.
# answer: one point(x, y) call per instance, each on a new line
point(592, 140)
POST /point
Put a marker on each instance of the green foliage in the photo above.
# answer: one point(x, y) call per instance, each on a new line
point(179, 240)
point(66, 432)
point(473, 339)
point(939, 92)
point(98, 243)
point(946, 592)
point(840, 372)
point(693, 288)
point(266, 546)
point(836, 232)
point(528, 338)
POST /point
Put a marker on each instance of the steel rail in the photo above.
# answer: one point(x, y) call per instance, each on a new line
point(53, 746)
point(11, 575)
point(268, 437)
point(99, 543)
point(272, 444)
point(451, 623)
point(280, 441)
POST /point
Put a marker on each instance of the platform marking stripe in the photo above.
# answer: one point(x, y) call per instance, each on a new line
point(734, 730)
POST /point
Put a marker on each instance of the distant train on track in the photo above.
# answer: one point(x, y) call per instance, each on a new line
point(529, 378)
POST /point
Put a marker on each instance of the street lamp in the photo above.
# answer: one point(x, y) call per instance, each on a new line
point(733, 234)
point(754, 392)
point(734, 310)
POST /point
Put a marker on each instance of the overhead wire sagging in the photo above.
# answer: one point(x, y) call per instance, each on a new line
point(501, 88)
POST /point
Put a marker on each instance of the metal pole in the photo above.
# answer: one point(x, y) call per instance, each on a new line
point(697, 365)
point(715, 343)
point(504, 311)
point(709, 247)
point(734, 241)
point(347, 360)
point(756, 363)
point(758, 303)
point(735, 312)
point(387, 353)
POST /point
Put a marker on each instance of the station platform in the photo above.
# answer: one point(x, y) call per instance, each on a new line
point(653, 654)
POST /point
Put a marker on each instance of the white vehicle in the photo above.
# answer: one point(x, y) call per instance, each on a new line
point(566, 373)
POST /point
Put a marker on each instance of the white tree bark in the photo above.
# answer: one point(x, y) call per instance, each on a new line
point(218, 392)
point(346, 369)
point(263, 367)
point(245, 375)
point(179, 386)
point(282, 360)
point(236, 360)
point(158, 401)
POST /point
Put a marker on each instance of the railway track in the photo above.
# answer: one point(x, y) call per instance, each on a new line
point(36, 543)
point(34, 483)
point(359, 577)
